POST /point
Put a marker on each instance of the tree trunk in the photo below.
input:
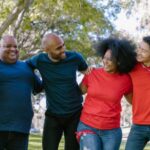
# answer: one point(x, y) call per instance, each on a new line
point(22, 5)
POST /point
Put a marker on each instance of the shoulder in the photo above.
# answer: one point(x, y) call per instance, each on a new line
point(99, 70)
point(125, 78)
point(95, 72)
point(135, 69)
point(39, 56)
point(73, 54)
point(23, 64)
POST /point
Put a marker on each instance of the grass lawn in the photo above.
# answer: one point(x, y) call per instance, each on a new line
point(36, 142)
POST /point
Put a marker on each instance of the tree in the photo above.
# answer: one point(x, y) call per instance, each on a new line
point(139, 10)
point(79, 22)
point(18, 12)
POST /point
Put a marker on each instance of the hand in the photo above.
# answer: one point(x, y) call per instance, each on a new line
point(88, 70)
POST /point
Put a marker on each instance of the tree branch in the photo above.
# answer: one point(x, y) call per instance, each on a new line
point(22, 5)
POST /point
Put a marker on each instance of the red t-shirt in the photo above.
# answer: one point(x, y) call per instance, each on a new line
point(141, 95)
point(102, 105)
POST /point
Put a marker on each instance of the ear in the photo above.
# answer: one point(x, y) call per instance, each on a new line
point(47, 49)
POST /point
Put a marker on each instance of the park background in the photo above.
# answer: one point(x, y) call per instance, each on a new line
point(81, 23)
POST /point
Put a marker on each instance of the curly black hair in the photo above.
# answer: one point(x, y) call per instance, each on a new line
point(147, 39)
point(123, 53)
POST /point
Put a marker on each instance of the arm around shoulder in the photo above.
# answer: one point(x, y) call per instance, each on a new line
point(33, 61)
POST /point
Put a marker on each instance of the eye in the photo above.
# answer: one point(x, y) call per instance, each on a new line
point(7, 46)
point(61, 46)
point(10, 46)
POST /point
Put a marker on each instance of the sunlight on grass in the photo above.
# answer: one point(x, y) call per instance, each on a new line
point(35, 143)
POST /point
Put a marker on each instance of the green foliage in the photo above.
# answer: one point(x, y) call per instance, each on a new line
point(5, 9)
point(76, 21)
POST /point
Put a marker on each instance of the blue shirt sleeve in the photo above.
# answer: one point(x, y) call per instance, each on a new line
point(37, 85)
point(33, 62)
point(82, 65)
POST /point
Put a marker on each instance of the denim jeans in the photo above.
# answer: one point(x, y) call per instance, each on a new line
point(96, 139)
point(138, 137)
point(55, 127)
point(13, 140)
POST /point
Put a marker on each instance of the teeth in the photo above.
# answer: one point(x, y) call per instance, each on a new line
point(12, 54)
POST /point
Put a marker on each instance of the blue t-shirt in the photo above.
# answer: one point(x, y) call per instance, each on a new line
point(16, 84)
point(59, 80)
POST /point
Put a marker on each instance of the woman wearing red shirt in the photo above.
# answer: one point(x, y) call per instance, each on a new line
point(99, 127)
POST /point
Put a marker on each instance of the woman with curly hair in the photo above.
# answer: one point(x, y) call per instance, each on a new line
point(99, 127)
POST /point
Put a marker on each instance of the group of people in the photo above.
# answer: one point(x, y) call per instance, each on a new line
point(90, 125)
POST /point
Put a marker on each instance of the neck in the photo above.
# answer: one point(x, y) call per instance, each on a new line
point(111, 72)
point(52, 59)
point(146, 64)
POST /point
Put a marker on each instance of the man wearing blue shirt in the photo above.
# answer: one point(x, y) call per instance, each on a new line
point(64, 100)
point(17, 81)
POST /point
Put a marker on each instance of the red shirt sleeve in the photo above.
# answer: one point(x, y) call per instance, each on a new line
point(129, 86)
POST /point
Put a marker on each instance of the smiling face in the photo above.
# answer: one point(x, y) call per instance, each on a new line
point(109, 63)
point(54, 46)
point(8, 50)
point(143, 53)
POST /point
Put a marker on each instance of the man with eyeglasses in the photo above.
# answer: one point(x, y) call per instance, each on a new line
point(140, 130)
point(17, 81)
point(64, 100)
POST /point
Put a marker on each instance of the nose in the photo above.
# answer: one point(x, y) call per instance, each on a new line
point(138, 50)
point(63, 49)
point(13, 48)
point(105, 59)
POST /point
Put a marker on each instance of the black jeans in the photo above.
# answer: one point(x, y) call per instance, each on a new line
point(13, 140)
point(55, 127)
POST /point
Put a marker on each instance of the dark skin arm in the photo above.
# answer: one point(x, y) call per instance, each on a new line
point(87, 71)
point(83, 88)
point(129, 98)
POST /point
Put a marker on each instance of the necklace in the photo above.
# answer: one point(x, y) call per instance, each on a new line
point(146, 68)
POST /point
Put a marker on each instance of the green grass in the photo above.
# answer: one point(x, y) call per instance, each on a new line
point(35, 143)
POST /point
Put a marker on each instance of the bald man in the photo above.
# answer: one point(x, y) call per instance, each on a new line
point(17, 81)
point(64, 100)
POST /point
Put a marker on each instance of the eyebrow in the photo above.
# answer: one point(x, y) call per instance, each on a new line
point(139, 46)
point(10, 45)
point(59, 47)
